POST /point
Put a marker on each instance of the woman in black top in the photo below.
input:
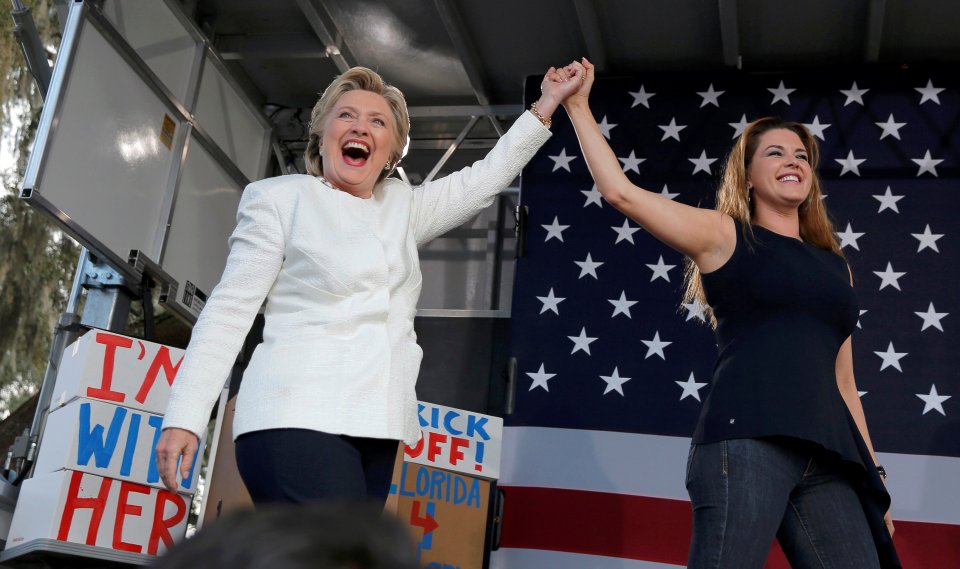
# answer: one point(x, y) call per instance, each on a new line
point(782, 447)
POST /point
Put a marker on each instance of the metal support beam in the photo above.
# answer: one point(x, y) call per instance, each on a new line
point(444, 143)
point(270, 46)
point(592, 38)
point(328, 34)
point(33, 50)
point(453, 148)
point(876, 13)
point(730, 33)
point(453, 23)
point(466, 111)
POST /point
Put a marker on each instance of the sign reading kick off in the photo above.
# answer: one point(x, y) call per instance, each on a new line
point(458, 440)
point(96, 481)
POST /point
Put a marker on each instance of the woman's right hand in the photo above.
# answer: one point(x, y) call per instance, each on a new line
point(584, 69)
point(175, 443)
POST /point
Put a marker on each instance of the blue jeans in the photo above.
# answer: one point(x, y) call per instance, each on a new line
point(744, 492)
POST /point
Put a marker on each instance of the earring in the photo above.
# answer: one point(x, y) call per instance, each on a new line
point(387, 165)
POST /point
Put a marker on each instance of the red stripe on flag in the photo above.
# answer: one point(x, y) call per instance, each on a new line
point(597, 523)
point(921, 544)
point(658, 529)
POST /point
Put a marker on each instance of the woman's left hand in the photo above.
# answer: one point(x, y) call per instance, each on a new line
point(557, 85)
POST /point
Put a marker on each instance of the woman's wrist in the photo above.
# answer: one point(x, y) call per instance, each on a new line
point(535, 110)
point(546, 106)
point(576, 104)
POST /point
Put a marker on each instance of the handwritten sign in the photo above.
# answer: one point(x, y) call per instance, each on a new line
point(458, 440)
point(118, 369)
point(87, 509)
point(96, 481)
point(446, 513)
point(108, 440)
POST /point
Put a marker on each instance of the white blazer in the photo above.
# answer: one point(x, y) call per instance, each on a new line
point(341, 278)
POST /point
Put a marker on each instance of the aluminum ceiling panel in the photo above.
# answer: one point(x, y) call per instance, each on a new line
point(516, 39)
point(802, 34)
point(661, 35)
point(404, 40)
point(921, 30)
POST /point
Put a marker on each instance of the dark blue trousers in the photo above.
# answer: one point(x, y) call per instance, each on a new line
point(301, 466)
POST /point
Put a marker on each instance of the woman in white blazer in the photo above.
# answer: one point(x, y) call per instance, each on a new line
point(329, 393)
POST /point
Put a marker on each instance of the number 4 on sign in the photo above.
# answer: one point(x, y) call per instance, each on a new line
point(426, 521)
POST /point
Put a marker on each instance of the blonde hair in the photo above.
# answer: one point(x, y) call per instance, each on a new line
point(733, 198)
point(357, 79)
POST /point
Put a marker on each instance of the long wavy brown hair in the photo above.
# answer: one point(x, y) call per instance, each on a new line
point(733, 198)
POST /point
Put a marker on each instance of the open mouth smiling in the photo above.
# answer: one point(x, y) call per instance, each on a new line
point(355, 152)
point(789, 178)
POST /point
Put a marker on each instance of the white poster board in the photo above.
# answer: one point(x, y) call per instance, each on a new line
point(457, 440)
point(96, 491)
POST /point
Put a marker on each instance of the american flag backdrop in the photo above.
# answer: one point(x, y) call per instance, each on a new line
point(613, 370)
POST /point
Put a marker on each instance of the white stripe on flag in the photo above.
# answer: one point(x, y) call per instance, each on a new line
point(542, 559)
point(923, 487)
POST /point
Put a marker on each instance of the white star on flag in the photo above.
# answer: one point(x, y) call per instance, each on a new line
point(933, 401)
point(632, 162)
point(550, 302)
point(562, 160)
point(739, 126)
point(606, 127)
point(849, 237)
point(710, 97)
point(660, 270)
point(891, 358)
point(641, 97)
point(929, 93)
point(888, 201)
point(932, 318)
point(593, 196)
point(671, 130)
point(702, 164)
point(862, 312)
point(694, 310)
point(540, 378)
point(890, 128)
point(667, 193)
point(781, 93)
point(691, 387)
point(854, 95)
point(622, 305)
point(656, 346)
point(554, 230)
point(588, 267)
point(889, 277)
point(850, 164)
point(816, 128)
point(614, 382)
point(927, 239)
point(927, 164)
point(582, 342)
point(624, 232)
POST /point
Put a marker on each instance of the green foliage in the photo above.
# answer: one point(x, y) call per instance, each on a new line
point(36, 260)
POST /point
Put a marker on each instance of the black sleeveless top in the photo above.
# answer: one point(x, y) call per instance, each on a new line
point(783, 309)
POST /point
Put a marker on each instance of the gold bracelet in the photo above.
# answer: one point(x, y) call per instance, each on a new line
point(546, 121)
